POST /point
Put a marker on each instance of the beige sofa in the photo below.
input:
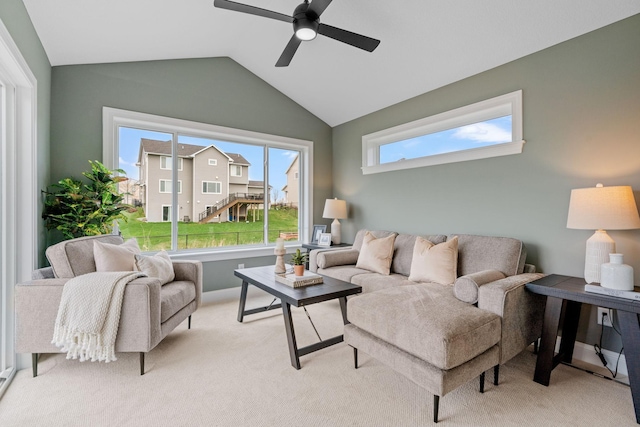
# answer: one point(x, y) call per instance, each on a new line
point(150, 309)
point(440, 335)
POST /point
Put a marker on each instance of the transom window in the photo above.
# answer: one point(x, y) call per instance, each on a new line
point(489, 128)
point(211, 187)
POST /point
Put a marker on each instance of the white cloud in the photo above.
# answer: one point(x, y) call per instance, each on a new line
point(483, 132)
point(290, 154)
point(123, 162)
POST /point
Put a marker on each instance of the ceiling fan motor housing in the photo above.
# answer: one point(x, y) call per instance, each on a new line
point(305, 19)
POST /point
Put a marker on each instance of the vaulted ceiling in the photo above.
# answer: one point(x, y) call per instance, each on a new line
point(425, 44)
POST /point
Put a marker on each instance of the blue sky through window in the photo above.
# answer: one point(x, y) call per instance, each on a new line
point(482, 134)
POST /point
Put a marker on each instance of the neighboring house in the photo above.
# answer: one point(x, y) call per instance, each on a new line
point(292, 188)
point(213, 186)
point(131, 190)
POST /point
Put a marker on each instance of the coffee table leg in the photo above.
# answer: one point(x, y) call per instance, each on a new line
point(631, 340)
point(343, 308)
point(243, 300)
point(291, 335)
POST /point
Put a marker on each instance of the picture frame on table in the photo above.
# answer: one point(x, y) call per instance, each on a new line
point(324, 239)
point(317, 231)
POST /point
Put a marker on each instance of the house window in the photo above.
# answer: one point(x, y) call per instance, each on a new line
point(485, 129)
point(211, 187)
point(239, 212)
point(166, 213)
point(213, 162)
point(166, 163)
point(166, 187)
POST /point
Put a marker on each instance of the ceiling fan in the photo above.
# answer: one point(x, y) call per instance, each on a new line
point(306, 25)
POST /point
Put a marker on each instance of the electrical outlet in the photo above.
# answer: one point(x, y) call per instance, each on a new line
point(607, 313)
point(240, 265)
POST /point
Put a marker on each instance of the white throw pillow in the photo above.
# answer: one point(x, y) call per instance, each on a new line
point(109, 257)
point(434, 263)
point(376, 254)
point(158, 265)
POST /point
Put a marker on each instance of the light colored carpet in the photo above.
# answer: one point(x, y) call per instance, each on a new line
point(224, 373)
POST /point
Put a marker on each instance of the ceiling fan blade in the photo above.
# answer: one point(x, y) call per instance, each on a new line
point(288, 52)
point(318, 6)
point(356, 40)
point(245, 8)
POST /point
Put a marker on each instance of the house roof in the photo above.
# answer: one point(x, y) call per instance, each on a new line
point(257, 184)
point(424, 44)
point(163, 148)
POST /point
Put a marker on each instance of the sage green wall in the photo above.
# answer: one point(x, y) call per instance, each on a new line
point(214, 90)
point(582, 126)
point(15, 18)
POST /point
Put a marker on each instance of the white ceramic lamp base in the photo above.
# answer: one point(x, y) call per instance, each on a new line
point(599, 246)
point(336, 232)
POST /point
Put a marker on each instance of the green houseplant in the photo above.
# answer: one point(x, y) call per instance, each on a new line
point(299, 259)
point(76, 209)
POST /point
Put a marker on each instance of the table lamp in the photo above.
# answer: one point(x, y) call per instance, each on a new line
point(599, 208)
point(336, 209)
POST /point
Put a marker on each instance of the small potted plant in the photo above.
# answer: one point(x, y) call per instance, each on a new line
point(299, 260)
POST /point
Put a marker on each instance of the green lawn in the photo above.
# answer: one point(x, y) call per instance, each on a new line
point(154, 236)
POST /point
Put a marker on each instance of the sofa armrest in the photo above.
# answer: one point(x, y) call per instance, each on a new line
point(466, 287)
point(521, 311)
point(190, 271)
point(43, 273)
point(325, 258)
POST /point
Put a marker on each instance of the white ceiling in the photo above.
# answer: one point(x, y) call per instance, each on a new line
point(424, 44)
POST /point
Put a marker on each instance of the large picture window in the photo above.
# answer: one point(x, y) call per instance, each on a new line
point(236, 189)
point(489, 128)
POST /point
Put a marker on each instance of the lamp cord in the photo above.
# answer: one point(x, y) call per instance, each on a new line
point(598, 347)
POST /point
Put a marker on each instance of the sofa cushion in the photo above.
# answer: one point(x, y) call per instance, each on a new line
point(74, 257)
point(158, 265)
point(110, 257)
point(466, 287)
point(376, 253)
point(343, 272)
point(331, 258)
point(372, 282)
point(434, 263)
point(403, 251)
point(427, 321)
point(478, 253)
point(174, 296)
point(357, 241)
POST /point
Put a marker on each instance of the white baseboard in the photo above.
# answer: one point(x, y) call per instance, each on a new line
point(586, 353)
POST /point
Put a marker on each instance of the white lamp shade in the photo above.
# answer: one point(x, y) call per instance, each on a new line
point(603, 208)
point(334, 208)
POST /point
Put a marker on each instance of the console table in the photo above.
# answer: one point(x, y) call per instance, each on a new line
point(566, 293)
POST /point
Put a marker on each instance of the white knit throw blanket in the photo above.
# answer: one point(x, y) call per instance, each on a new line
point(89, 315)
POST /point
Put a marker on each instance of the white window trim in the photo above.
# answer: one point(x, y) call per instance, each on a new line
point(211, 182)
point(162, 213)
point(169, 181)
point(213, 162)
point(508, 104)
point(113, 118)
point(180, 161)
point(19, 194)
point(236, 168)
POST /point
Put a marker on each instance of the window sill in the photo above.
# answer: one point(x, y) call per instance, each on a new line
point(209, 255)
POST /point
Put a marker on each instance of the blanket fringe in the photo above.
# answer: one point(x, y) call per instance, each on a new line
point(83, 345)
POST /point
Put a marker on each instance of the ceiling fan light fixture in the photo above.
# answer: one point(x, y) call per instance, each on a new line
point(305, 29)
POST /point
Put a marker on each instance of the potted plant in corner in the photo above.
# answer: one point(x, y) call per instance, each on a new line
point(76, 209)
point(299, 260)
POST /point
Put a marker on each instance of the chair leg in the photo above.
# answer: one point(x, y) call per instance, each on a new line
point(189, 323)
point(535, 347)
point(496, 374)
point(34, 364)
point(436, 405)
point(355, 357)
point(141, 363)
point(482, 382)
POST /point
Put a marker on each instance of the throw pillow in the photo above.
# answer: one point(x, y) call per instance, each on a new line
point(158, 265)
point(109, 257)
point(434, 263)
point(376, 254)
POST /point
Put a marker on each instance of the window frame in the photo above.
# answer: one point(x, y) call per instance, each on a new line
point(508, 104)
point(213, 162)
point(168, 213)
point(235, 167)
point(160, 181)
point(180, 163)
point(114, 118)
point(211, 182)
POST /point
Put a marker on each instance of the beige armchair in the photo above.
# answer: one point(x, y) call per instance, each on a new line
point(150, 310)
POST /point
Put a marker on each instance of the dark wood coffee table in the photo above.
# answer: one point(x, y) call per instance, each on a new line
point(264, 278)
